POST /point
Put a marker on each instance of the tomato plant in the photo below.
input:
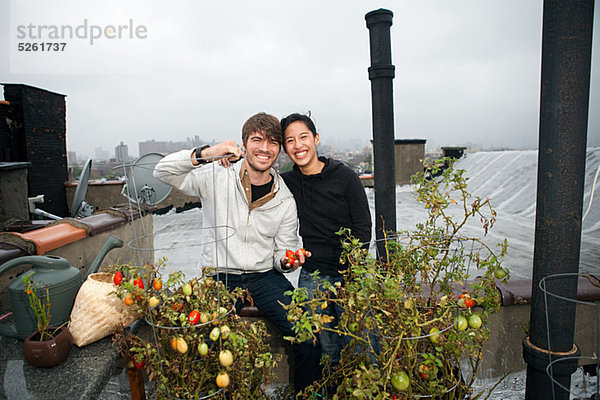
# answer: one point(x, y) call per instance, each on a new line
point(403, 318)
point(192, 356)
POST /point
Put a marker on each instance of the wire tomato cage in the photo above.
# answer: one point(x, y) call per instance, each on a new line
point(197, 239)
point(552, 362)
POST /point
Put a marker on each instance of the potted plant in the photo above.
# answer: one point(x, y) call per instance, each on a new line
point(47, 346)
point(413, 321)
point(199, 347)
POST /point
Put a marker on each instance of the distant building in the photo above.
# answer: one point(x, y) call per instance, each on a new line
point(101, 154)
point(121, 153)
point(71, 158)
point(153, 146)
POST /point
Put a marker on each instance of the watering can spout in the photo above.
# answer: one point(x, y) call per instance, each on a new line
point(111, 243)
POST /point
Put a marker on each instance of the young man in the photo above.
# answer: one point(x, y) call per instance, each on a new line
point(250, 197)
point(329, 196)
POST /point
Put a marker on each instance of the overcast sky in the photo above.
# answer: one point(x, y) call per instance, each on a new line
point(467, 72)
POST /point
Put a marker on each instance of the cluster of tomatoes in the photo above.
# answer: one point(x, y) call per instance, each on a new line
point(293, 256)
point(194, 317)
point(400, 380)
point(138, 283)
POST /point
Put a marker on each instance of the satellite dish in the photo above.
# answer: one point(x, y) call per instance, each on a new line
point(80, 208)
point(140, 185)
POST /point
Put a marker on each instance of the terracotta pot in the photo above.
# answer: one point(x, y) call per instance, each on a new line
point(48, 353)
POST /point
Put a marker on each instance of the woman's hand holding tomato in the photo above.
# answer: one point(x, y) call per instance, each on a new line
point(293, 260)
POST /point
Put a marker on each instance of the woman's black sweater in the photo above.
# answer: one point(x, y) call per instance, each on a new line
point(326, 202)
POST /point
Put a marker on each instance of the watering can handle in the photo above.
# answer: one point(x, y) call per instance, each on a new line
point(45, 262)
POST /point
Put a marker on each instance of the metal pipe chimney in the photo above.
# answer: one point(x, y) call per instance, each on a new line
point(566, 59)
point(381, 74)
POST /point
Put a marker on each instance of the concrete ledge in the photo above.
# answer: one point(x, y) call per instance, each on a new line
point(81, 253)
point(518, 292)
point(53, 237)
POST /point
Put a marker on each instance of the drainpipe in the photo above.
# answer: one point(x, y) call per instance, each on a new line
point(381, 74)
point(566, 58)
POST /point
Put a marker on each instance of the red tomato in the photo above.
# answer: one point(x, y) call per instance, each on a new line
point(139, 283)
point(194, 317)
point(465, 300)
point(300, 251)
point(157, 284)
point(118, 278)
point(139, 364)
point(177, 307)
point(424, 371)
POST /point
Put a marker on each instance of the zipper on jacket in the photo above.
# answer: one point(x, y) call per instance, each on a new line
point(246, 241)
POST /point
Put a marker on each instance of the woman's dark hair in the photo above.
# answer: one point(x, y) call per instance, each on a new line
point(285, 122)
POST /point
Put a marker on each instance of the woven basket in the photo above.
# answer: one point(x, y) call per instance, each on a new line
point(98, 311)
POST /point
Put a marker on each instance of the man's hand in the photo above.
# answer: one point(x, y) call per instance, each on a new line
point(299, 260)
point(224, 153)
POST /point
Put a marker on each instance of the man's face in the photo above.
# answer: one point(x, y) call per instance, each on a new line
point(300, 144)
point(261, 152)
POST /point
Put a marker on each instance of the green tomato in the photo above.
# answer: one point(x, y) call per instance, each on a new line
point(400, 381)
point(434, 335)
point(214, 334)
point(203, 349)
point(500, 273)
point(462, 323)
point(353, 326)
point(225, 332)
point(187, 289)
point(475, 321)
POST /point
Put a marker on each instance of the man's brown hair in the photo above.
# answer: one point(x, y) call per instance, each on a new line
point(263, 123)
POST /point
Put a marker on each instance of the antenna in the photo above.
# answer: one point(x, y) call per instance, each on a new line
point(140, 185)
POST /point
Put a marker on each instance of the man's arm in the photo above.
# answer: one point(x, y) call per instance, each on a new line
point(217, 153)
point(175, 169)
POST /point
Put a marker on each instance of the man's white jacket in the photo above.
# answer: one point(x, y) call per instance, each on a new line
point(247, 240)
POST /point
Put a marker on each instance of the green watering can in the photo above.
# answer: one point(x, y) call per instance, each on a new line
point(63, 282)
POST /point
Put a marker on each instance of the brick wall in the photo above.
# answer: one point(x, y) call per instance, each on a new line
point(39, 137)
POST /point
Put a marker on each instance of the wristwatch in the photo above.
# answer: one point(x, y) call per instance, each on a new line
point(199, 152)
